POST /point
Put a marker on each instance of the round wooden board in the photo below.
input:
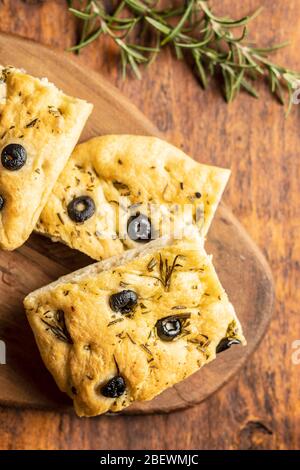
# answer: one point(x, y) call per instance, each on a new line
point(24, 381)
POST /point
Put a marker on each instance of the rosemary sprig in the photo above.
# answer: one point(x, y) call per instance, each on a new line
point(58, 327)
point(166, 271)
point(206, 41)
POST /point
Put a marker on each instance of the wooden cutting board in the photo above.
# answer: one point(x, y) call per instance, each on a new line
point(244, 272)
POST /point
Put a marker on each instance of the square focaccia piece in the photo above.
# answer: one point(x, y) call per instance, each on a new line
point(127, 328)
point(119, 191)
point(39, 127)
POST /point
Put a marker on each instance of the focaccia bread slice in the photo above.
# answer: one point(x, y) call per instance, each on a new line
point(39, 127)
point(127, 328)
point(119, 190)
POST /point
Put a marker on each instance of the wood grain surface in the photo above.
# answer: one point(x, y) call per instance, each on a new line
point(242, 269)
point(259, 408)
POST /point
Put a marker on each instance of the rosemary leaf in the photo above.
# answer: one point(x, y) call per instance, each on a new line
point(174, 32)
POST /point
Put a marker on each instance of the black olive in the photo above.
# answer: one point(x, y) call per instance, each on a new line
point(81, 208)
point(198, 195)
point(114, 388)
point(123, 301)
point(168, 328)
point(139, 228)
point(1, 203)
point(226, 343)
point(13, 157)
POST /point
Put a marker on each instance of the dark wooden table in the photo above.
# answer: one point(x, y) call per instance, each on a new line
point(260, 408)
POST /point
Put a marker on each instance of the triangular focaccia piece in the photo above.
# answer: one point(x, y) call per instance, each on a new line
point(127, 328)
point(126, 179)
point(39, 127)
